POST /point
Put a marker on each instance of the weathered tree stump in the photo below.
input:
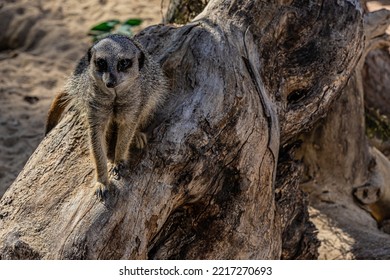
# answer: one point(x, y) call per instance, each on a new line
point(246, 78)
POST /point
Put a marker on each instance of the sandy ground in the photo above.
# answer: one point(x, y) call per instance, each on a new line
point(40, 43)
point(377, 5)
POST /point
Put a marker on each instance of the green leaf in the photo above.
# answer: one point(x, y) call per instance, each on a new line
point(96, 32)
point(125, 29)
point(106, 26)
point(133, 22)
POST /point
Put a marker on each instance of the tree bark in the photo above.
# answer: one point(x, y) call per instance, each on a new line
point(347, 180)
point(247, 77)
point(183, 11)
point(376, 74)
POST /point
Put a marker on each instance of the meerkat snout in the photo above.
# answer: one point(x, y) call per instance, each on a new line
point(110, 80)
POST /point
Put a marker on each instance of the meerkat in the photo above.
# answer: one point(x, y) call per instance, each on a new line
point(116, 84)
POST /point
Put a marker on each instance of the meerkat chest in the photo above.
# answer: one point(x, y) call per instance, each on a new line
point(115, 105)
point(122, 107)
point(118, 108)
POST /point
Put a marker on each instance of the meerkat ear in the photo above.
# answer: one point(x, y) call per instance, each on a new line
point(89, 54)
point(83, 63)
point(141, 60)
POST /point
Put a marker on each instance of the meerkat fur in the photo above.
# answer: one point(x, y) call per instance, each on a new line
point(116, 84)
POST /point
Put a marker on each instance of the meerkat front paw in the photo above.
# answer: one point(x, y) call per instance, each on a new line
point(101, 190)
point(118, 170)
point(140, 140)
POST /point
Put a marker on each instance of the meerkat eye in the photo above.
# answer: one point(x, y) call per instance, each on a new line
point(124, 64)
point(101, 64)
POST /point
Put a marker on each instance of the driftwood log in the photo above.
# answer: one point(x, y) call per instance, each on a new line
point(217, 179)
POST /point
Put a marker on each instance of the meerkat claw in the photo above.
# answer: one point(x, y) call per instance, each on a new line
point(140, 140)
point(101, 190)
point(118, 171)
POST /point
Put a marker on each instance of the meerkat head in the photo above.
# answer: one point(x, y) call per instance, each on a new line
point(115, 62)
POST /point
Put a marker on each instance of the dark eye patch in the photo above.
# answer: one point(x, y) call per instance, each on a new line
point(101, 64)
point(124, 64)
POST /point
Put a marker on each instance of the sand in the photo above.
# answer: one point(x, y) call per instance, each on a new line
point(40, 43)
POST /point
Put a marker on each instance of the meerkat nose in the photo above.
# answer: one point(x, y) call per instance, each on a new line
point(110, 84)
point(110, 79)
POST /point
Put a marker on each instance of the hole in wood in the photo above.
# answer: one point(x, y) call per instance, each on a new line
point(296, 96)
